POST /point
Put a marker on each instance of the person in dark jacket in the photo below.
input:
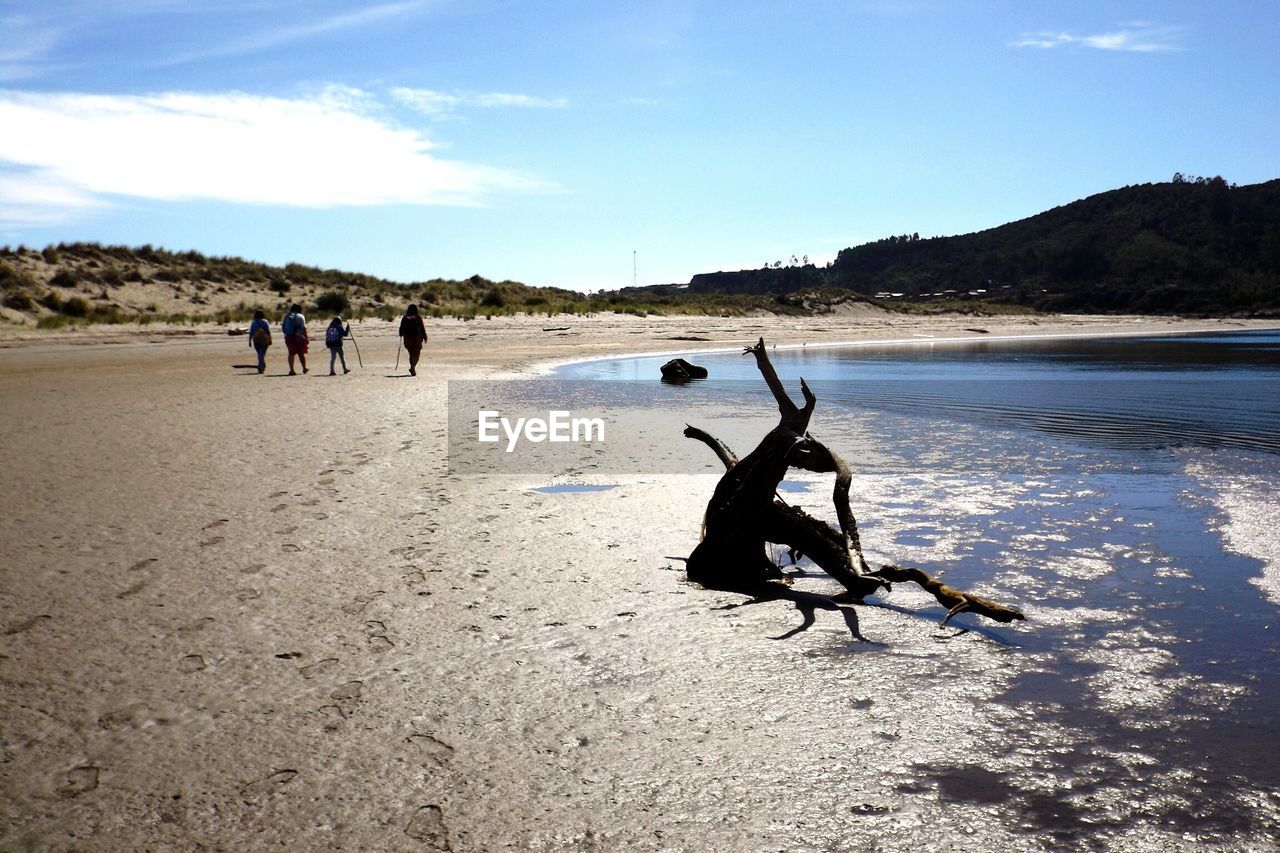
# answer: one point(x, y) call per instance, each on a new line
point(414, 334)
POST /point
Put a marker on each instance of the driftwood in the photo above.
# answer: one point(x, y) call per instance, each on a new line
point(678, 370)
point(745, 513)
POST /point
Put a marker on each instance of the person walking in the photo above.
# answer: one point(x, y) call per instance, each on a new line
point(333, 340)
point(260, 337)
point(414, 333)
point(296, 341)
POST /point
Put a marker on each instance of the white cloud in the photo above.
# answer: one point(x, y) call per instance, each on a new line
point(438, 104)
point(66, 152)
point(1136, 37)
point(36, 199)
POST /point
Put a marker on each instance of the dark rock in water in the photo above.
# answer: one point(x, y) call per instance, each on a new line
point(679, 370)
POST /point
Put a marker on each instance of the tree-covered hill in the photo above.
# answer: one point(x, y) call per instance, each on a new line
point(1191, 246)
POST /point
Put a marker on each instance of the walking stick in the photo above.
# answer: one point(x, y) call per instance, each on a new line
point(398, 346)
point(357, 346)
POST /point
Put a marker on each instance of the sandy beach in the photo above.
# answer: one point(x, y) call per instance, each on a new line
point(245, 612)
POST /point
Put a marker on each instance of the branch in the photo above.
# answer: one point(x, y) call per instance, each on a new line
point(957, 601)
point(793, 417)
point(718, 447)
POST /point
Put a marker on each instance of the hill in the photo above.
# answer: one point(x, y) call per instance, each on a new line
point(1191, 246)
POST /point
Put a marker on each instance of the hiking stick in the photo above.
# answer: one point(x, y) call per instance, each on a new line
point(357, 346)
point(398, 346)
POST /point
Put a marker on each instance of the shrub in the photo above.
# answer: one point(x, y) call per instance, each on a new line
point(76, 306)
point(19, 301)
point(278, 285)
point(333, 302)
point(63, 278)
point(12, 277)
point(493, 299)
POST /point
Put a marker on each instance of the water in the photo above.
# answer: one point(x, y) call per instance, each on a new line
point(1122, 493)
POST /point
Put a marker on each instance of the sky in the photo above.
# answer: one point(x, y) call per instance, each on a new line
point(591, 145)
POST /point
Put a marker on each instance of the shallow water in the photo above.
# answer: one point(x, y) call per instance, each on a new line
point(1121, 492)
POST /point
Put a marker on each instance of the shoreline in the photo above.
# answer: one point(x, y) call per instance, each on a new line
point(1264, 325)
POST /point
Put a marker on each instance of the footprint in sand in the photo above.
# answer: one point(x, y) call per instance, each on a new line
point(142, 564)
point(253, 569)
point(361, 602)
point(136, 588)
point(212, 540)
point(135, 716)
point(79, 780)
point(427, 826)
point(318, 668)
point(215, 524)
point(198, 625)
point(333, 717)
point(279, 507)
point(268, 785)
point(191, 663)
point(248, 593)
point(376, 632)
point(277, 494)
point(290, 547)
point(430, 745)
point(347, 697)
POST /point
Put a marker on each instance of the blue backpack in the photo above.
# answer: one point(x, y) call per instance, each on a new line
point(289, 322)
point(333, 336)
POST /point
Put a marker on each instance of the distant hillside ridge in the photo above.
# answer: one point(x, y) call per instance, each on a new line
point(1194, 246)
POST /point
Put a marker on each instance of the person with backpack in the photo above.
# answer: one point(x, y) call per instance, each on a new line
point(296, 341)
point(414, 333)
point(333, 340)
point(260, 337)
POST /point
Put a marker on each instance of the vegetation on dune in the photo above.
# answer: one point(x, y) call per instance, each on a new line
point(80, 283)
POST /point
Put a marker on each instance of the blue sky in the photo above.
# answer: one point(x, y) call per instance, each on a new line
point(548, 141)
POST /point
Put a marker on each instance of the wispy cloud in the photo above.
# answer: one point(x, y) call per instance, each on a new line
point(288, 34)
point(64, 153)
point(1136, 37)
point(25, 44)
point(438, 104)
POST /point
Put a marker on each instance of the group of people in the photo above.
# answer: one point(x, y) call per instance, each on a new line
point(413, 333)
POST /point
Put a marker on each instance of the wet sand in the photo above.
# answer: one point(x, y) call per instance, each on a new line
point(243, 611)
